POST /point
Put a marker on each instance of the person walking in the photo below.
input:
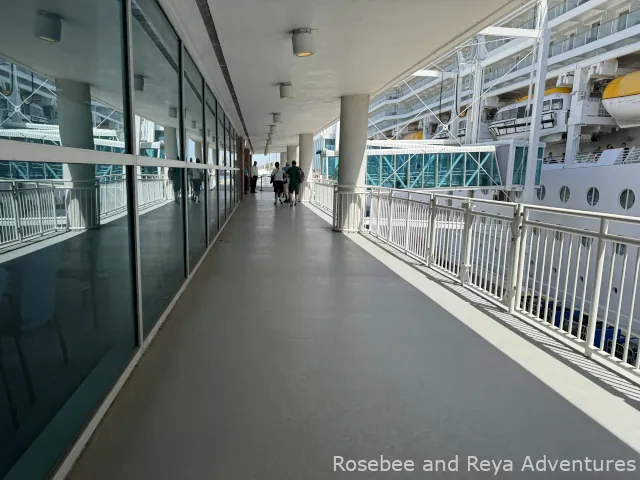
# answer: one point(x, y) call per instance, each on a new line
point(175, 175)
point(254, 177)
point(196, 181)
point(287, 199)
point(294, 176)
point(277, 178)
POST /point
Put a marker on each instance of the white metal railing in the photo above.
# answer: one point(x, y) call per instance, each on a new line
point(631, 156)
point(31, 208)
point(573, 271)
point(320, 193)
point(587, 157)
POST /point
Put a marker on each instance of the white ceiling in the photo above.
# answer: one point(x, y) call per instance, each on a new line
point(362, 46)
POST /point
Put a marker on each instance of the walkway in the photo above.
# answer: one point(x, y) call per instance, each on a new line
point(314, 349)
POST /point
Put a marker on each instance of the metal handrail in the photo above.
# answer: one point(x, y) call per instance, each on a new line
point(539, 267)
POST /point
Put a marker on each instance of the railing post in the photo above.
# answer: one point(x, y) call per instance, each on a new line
point(517, 258)
point(597, 284)
point(377, 212)
point(16, 209)
point(390, 218)
point(468, 235)
point(432, 231)
point(39, 207)
point(406, 233)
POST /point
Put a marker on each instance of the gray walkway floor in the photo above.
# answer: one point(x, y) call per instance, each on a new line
point(293, 345)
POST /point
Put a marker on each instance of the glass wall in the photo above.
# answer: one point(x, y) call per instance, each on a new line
point(69, 230)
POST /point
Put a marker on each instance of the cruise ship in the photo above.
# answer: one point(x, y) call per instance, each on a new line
point(481, 93)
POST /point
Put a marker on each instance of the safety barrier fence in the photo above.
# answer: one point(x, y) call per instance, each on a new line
point(573, 271)
point(32, 209)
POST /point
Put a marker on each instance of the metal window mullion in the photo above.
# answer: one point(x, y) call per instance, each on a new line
point(205, 156)
point(183, 152)
point(132, 170)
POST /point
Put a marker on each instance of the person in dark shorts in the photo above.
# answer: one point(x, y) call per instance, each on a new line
point(196, 182)
point(277, 178)
point(293, 173)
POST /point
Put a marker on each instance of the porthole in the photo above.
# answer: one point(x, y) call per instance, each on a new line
point(620, 248)
point(565, 194)
point(627, 198)
point(542, 191)
point(593, 195)
point(615, 289)
point(555, 270)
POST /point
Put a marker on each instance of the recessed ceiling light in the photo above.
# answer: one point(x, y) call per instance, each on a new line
point(303, 44)
point(285, 90)
point(48, 26)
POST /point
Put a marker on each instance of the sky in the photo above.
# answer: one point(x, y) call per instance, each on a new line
point(264, 159)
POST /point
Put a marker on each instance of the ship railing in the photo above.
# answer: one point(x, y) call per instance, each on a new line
point(574, 273)
point(632, 156)
point(32, 209)
point(587, 157)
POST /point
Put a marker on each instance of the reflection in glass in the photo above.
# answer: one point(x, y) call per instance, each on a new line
point(161, 240)
point(221, 135)
point(193, 109)
point(212, 203)
point(211, 141)
point(64, 93)
point(222, 197)
point(196, 212)
point(156, 82)
point(67, 323)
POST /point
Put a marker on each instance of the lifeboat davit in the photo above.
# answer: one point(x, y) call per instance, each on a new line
point(621, 98)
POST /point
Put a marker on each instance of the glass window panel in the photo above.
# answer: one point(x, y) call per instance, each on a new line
point(67, 322)
point(388, 165)
point(161, 241)
point(221, 197)
point(444, 169)
point(212, 202)
point(415, 180)
point(373, 170)
point(156, 81)
point(196, 214)
point(430, 170)
point(221, 122)
point(192, 109)
point(64, 90)
point(401, 171)
point(556, 104)
point(210, 112)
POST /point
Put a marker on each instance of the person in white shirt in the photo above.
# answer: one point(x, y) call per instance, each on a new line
point(254, 177)
point(277, 178)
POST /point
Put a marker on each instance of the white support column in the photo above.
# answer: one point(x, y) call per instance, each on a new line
point(283, 159)
point(305, 152)
point(578, 94)
point(354, 113)
point(292, 153)
point(76, 130)
point(473, 124)
point(170, 143)
point(536, 114)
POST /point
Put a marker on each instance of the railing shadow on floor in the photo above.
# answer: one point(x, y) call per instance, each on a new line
point(599, 373)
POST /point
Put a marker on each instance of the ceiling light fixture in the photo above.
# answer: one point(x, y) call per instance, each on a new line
point(277, 117)
point(285, 90)
point(48, 26)
point(138, 83)
point(303, 44)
